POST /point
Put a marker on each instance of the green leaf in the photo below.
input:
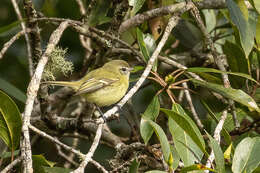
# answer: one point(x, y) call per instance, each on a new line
point(155, 171)
point(163, 140)
point(195, 167)
point(136, 4)
point(176, 157)
point(214, 117)
point(234, 94)
point(39, 162)
point(257, 36)
point(147, 45)
point(219, 156)
point(10, 29)
point(12, 90)
point(187, 124)
point(236, 61)
point(150, 113)
point(99, 12)
point(210, 19)
point(245, 33)
point(134, 167)
point(241, 4)
point(9, 154)
point(212, 70)
point(257, 5)
point(10, 122)
point(187, 150)
point(227, 153)
point(247, 155)
point(56, 170)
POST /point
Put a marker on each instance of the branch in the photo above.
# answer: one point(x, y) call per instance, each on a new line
point(171, 24)
point(34, 36)
point(29, 49)
point(11, 165)
point(193, 111)
point(217, 137)
point(10, 42)
point(31, 95)
point(179, 7)
point(140, 18)
point(91, 151)
point(56, 141)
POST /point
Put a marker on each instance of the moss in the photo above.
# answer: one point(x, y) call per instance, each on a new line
point(57, 64)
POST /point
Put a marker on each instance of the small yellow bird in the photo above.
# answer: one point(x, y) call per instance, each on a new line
point(103, 86)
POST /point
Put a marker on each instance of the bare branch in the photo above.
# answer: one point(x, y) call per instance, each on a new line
point(29, 49)
point(10, 42)
point(193, 111)
point(11, 165)
point(171, 24)
point(140, 18)
point(217, 137)
point(31, 95)
point(91, 151)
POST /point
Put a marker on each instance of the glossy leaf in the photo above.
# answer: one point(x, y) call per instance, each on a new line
point(195, 167)
point(187, 124)
point(147, 45)
point(227, 153)
point(187, 150)
point(214, 117)
point(134, 167)
point(257, 5)
point(56, 170)
point(176, 157)
point(136, 4)
point(219, 159)
point(163, 140)
point(247, 155)
point(150, 113)
point(241, 4)
point(12, 90)
point(245, 33)
point(257, 36)
point(234, 94)
point(212, 70)
point(39, 162)
point(10, 122)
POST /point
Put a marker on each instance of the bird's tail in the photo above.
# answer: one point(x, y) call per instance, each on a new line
point(73, 85)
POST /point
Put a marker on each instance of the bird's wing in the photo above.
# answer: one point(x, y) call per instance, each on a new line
point(93, 84)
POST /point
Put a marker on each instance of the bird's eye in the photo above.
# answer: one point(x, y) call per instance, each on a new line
point(123, 69)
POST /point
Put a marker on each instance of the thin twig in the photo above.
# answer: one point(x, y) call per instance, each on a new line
point(99, 167)
point(34, 36)
point(56, 141)
point(171, 24)
point(82, 9)
point(91, 151)
point(165, 10)
point(10, 42)
point(217, 137)
point(75, 143)
point(64, 156)
point(11, 165)
point(29, 49)
point(31, 95)
point(193, 111)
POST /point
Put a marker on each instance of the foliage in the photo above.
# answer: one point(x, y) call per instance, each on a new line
point(205, 69)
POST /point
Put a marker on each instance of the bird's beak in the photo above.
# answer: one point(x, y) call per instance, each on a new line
point(130, 69)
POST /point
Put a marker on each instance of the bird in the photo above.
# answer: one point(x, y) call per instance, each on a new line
point(103, 86)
